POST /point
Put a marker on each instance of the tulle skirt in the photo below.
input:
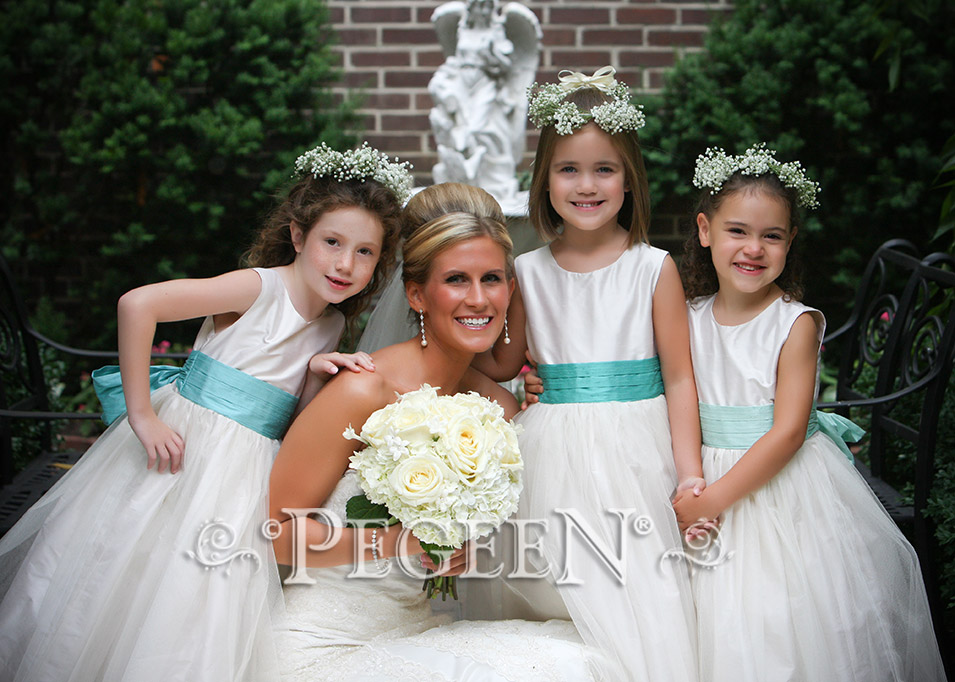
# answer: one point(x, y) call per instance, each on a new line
point(121, 573)
point(809, 579)
point(614, 547)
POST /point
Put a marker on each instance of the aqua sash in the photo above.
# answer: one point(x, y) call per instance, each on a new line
point(738, 427)
point(601, 382)
point(256, 404)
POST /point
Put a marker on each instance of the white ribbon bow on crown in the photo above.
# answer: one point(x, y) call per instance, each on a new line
point(601, 80)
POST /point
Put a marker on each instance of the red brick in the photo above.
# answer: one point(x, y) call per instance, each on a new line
point(603, 36)
point(380, 15)
point(423, 15)
point(357, 36)
point(559, 37)
point(368, 120)
point(415, 36)
point(391, 143)
point(577, 60)
point(646, 58)
point(408, 123)
point(703, 16)
point(676, 38)
point(579, 17)
point(643, 16)
point(360, 79)
point(381, 58)
point(429, 58)
point(423, 102)
point(657, 79)
point(407, 79)
point(629, 76)
point(336, 15)
point(387, 100)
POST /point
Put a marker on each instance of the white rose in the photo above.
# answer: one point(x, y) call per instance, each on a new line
point(511, 455)
point(465, 448)
point(419, 479)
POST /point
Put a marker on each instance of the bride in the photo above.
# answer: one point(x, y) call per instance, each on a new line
point(458, 280)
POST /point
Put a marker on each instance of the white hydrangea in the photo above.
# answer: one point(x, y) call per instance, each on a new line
point(447, 467)
point(358, 164)
point(715, 166)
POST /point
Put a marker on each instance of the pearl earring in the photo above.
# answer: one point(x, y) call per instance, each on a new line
point(507, 339)
point(424, 341)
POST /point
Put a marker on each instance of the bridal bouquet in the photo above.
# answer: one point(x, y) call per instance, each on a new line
point(447, 467)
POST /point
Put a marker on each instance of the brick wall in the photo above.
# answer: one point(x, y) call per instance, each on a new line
point(389, 50)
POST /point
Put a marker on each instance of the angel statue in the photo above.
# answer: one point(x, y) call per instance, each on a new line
point(480, 106)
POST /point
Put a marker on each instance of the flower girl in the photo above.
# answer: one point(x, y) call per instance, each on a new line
point(137, 574)
point(808, 578)
point(606, 320)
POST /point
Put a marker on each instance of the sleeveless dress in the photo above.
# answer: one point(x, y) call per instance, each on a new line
point(382, 629)
point(134, 575)
point(603, 458)
point(809, 578)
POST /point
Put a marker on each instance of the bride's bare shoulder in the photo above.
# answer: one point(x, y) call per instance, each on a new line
point(483, 384)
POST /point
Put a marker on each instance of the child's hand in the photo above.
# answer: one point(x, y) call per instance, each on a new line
point(692, 508)
point(533, 384)
point(164, 447)
point(700, 530)
point(694, 483)
point(533, 387)
point(326, 365)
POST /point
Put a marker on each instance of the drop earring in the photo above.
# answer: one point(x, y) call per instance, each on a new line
point(424, 341)
point(507, 339)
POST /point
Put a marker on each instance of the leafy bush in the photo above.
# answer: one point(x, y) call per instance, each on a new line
point(143, 138)
point(803, 76)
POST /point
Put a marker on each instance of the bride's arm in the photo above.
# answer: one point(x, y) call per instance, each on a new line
point(311, 461)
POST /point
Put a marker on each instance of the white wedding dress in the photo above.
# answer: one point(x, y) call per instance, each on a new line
point(383, 630)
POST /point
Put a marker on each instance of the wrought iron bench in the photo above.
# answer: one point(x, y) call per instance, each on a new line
point(24, 396)
point(895, 367)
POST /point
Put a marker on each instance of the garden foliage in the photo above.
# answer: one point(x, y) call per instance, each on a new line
point(143, 138)
point(812, 79)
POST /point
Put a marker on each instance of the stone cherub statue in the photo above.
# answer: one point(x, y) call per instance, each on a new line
point(478, 119)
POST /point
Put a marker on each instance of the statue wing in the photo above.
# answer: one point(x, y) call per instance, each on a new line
point(524, 31)
point(446, 19)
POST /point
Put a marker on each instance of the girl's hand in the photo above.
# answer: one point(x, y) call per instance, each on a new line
point(326, 365)
point(692, 508)
point(533, 384)
point(162, 444)
point(533, 387)
point(700, 529)
point(695, 483)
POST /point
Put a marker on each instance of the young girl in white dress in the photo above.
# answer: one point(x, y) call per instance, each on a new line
point(603, 314)
point(808, 578)
point(369, 620)
point(150, 562)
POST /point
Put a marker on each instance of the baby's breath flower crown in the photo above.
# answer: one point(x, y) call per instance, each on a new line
point(547, 105)
point(715, 166)
point(357, 164)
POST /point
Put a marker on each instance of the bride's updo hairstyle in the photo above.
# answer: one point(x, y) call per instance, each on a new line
point(443, 215)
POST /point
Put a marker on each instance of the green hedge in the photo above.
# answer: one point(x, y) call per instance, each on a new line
point(804, 76)
point(142, 138)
